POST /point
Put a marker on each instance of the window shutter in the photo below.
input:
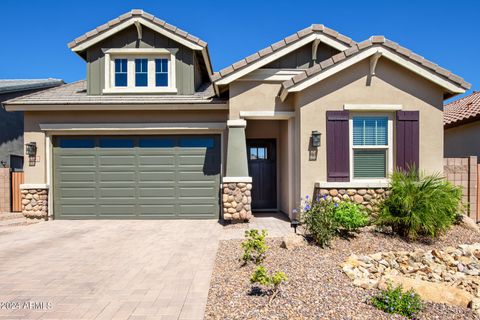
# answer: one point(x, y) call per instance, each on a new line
point(338, 165)
point(407, 139)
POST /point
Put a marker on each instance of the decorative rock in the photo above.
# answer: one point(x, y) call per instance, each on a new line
point(358, 198)
point(236, 200)
point(241, 185)
point(333, 192)
point(469, 223)
point(361, 191)
point(34, 203)
point(367, 197)
point(324, 192)
point(351, 192)
point(292, 241)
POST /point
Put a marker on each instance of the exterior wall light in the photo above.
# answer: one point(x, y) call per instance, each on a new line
point(316, 139)
point(31, 149)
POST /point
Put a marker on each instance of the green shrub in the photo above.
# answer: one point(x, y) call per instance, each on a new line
point(254, 247)
point(419, 205)
point(407, 304)
point(350, 216)
point(262, 277)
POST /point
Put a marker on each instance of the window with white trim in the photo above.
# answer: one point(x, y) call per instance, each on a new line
point(139, 70)
point(371, 147)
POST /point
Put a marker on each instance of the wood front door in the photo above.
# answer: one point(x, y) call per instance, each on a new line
point(262, 167)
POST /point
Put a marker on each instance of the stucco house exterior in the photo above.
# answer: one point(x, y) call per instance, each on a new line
point(11, 123)
point(462, 127)
point(155, 133)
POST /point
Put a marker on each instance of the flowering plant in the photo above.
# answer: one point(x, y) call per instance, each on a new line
point(395, 300)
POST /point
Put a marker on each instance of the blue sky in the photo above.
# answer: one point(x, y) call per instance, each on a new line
point(35, 33)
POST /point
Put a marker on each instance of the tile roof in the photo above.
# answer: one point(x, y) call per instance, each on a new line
point(132, 14)
point(76, 93)
point(364, 45)
point(314, 28)
point(462, 110)
point(14, 85)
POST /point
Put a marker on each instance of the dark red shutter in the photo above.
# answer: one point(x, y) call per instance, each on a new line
point(338, 165)
point(407, 141)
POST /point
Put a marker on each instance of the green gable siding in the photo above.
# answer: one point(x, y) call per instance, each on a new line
point(127, 38)
point(302, 57)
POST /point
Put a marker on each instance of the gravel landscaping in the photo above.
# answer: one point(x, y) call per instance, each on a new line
point(317, 287)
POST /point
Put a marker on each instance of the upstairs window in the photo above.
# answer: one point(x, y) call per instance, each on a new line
point(141, 72)
point(121, 72)
point(161, 72)
point(370, 147)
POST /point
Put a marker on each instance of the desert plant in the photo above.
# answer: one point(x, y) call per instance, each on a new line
point(419, 204)
point(395, 300)
point(318, 220)
point(262, 277)
point(254, 246)
point(350, 216)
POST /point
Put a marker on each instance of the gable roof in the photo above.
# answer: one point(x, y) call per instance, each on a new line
point(15, 85)
point(376, 45)
point(136, 17)
point(462, 110)
point(281, 48)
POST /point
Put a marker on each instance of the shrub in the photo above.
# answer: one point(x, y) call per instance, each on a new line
point(323, 219)
point(419, 205)
point(350, 216)
point(262, 277)
point(407, 304)
point(254, 247)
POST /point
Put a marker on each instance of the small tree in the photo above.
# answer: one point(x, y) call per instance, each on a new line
point(262, 277)
point(254, 247)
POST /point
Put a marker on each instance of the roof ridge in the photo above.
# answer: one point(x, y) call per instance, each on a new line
point(131, 14)
point(377, 40)
point(42, 91)
point(313, 28)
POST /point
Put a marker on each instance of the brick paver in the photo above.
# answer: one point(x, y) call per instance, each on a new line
point(113, 269)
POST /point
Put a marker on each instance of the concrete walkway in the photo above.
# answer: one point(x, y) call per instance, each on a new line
point(113, 269)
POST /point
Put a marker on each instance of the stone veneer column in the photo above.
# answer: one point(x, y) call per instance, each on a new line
point(237, 185)
point(35, 201)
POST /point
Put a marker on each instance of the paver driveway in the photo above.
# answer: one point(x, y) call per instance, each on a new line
point(114, 269)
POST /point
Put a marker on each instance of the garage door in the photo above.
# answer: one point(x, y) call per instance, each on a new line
point(136, 177)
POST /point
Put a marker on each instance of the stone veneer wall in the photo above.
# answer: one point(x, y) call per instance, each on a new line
point(237, 200)
point(369, 198)
point(35, 203)
point(5, 191)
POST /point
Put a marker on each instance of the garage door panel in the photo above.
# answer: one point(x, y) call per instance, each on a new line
point(151, 177)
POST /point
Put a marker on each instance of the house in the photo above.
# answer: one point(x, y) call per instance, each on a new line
point(462, 127)
point(11, 123)
point(154, 133)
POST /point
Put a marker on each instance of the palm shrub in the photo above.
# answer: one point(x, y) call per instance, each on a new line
point(419, 204)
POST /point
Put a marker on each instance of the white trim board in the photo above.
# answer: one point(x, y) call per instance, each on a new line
point(429, 75)
point(273, 75)
point(267, 115)
point(131, 126)
point(278, 54)
point(84, 45)
point(353, 184)
point(237, 179)
point(34, 186)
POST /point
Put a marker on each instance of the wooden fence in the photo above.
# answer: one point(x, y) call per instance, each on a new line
point(17, 180)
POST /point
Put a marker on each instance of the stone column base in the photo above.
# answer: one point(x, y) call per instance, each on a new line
point(35, 203)
point(237, 200)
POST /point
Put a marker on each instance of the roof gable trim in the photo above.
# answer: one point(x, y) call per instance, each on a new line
point(342, 65)
point(247, 68)
point(127, 23)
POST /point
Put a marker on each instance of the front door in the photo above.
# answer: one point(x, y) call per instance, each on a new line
point(262, 168)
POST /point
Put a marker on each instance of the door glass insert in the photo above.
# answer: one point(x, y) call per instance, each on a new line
point(76, 143)
point(116, 143)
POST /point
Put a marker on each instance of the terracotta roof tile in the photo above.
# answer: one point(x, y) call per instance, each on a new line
point(136, 13)
point(378, 41)
point(462, 110)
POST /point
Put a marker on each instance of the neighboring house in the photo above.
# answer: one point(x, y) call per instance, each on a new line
point(461, 121)
point(153, 133)
point(11, 123)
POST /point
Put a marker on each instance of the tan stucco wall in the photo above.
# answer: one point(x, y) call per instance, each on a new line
point(391, 85)
point(278, 130)
point(38, 173)
point(256, 96)
point(463, 141)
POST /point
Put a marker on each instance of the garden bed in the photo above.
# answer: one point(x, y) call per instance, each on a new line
point(317, 287)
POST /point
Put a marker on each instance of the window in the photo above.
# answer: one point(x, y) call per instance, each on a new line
point(196, 142)
point(370, 147)
point(161, 72)
point(121, 72)
point(76, 143)
point(141, 72)
point(157, 143)
point(258, 153)
point(116, 143)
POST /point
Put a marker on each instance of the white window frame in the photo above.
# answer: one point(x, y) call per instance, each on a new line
point(388, 147)
point(134, 53)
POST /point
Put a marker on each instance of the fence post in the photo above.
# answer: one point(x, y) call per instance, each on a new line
point(5, 196)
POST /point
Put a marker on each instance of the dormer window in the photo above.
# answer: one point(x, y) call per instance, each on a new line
point(135, 70)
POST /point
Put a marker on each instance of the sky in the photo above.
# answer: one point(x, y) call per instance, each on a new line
point(35, 33)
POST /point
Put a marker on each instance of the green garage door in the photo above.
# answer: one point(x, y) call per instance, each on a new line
point(136, 177)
